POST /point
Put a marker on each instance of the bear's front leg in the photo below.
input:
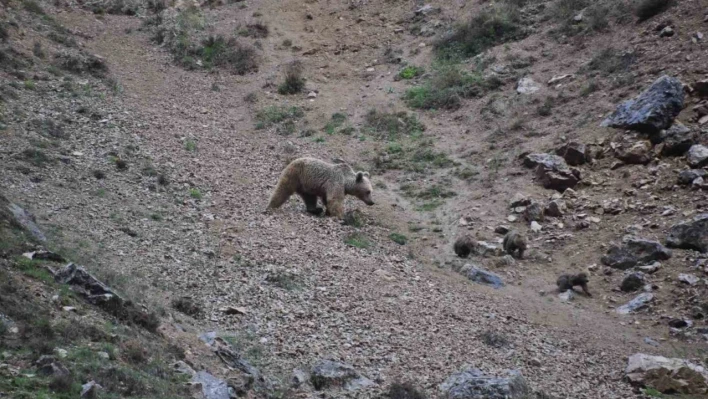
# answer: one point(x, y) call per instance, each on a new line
point(335, 208)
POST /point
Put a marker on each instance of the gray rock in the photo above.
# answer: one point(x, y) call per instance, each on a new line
point(667, 32)
point(90, 389)
point(635, 251)
point(690, 235)
point(574, 153)
point(697, 156)
point(25, 220)
point(519, 199)
point(474, 384)
point(666, 375)
point(566, 296)
point(208, 337)
point(653, 110)
point(552, 171)
point(212, 387)
point(83, 283)
point(300, 377)
point(549, 161)
point(639, 302)
point(48, 366)
point(651, 342)
point(527, 85)
point(555, 208)
point(689, 279)
point(677, 140)
point(533, 212)
point(688, 176)
point(638, 154)
point(536, 227)
point(502, 229)
point(633, 282)
point(328, 373)
point(481, 276)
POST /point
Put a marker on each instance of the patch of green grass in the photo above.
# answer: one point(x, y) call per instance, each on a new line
point(611, 61)
point(546, 108)
point(283, 279)
point(447, 87)
point(591, 87)
point(492, 26)
point(33, 7)
point(274, 115)
point(466, 173)
point(29, 84)
point(410, 72)
point(34, 269)
point(425, 155)
point(337, 120)
point(357, 240)
point(398, 238)
point(36, 157)
point(195, 193)
point(156, 217)
point(653, 393)
point(429, 205)
point(392, 126)
point(319, 139)
point(190, 145)
point(216, 51)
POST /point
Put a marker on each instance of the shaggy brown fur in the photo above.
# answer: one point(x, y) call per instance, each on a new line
point(311, 178)
point(463, 246)
point(568, 281)
point(515, 242)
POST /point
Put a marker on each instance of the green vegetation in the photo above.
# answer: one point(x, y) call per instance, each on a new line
point(650, 8)
point(36, 157)
point(466, 173)
point(494, 25)
point(33, 7)
point(195, 193)
point(410, 72)
point(392, 126)
point(274, 115)
point(284, 279)
point(447, 87)
point(357, 240)
point(652, 393)
point(34, 269)
point(545, 108)
point(335, 123)
point(405, 390)
point(190, 145)
point(294, 82)
point(29, 84)
point(398, 238)
point(256, 30)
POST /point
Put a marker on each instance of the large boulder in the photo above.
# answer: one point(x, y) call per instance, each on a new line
point(653, 110)
point(552, 171)
point(639, 302)
point(82, 282)
point(697, 156)
point(481, 276)
point(212, 387)
point(633, 282)
point(329, 373)
point(635, 251)
point(692, 234)
point(474, 384)
point(670, 376)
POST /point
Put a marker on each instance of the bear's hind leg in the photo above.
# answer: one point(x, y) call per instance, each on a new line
point(310, 201)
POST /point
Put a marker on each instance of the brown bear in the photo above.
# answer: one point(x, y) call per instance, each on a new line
point(312, 178)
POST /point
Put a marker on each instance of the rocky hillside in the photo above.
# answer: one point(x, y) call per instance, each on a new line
point(140, 141)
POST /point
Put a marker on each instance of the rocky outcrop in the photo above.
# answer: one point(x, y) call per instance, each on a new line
point(639, 302)
point(666, 375)
point(635, 251)
point(688, 176)
point(552, 171)
point(697, 156)
point(633, 282)
point(328, 374)
point(690, 235)
point(474, 384)
point(481, 276)
point(638, 154)
point(653, 110)
point(574, 153)
point(676, 140)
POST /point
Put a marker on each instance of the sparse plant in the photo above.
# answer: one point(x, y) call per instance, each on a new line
point(494, 339)
point(121, 164)
point(274, 115)
point(256, 30)
point(650, 8)
point(354, 218)
point(357, 240)
point(398, 238)
point(492, 26)
point(33, 7)
point(251, 97)
point(195, 193)
point(319, 139)
point(287, 43)
point(36, 157)
point(410, 72)
point(545, 108)
point(335, 122)
point(610, 61)
point(294, 81)
point(447, 87)
point(404, 390)
point(187, 305)
point(134, 352)
point(190, 145)
point(591, 87)
point(283, 279)
point(392, 126)
point(29, 84)
point(37, 50)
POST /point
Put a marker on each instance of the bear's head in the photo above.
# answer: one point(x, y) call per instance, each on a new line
point(362, 188)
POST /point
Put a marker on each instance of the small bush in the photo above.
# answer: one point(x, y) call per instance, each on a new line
point(294, 82)
point(392, 126)
point(398, 238)
point(404, 390)
point(650, 8)
point(64, 383)
point(545, 108)
point(195, 193)
point(410, 72)
point(33, 7)
point(494, 339)
point(446, 89)
point(354, 218)
point(257, 30)
point(283, 279)
point(219, 52)
point(337, 121)
point(187, 305)
point(133, 352)
point(357, 240)
point(491, 27)
point(29, 84)
point(190, 145)
point(36, 157)
point(610, 61)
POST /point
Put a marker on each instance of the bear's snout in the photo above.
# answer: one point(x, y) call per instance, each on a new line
point(369, 202)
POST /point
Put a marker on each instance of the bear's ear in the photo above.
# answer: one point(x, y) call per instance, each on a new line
point(366, 174)
point(359, 177)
